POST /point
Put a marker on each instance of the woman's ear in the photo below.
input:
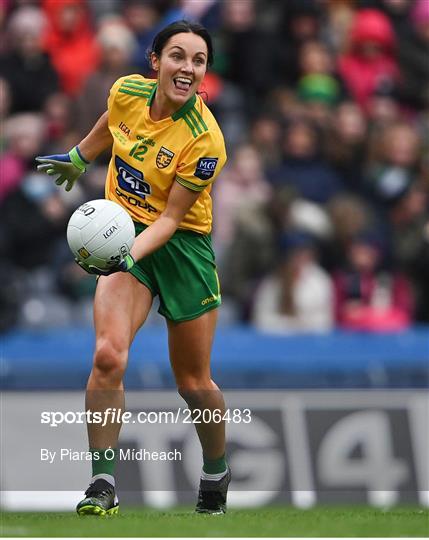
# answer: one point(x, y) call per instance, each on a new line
point(154, 60)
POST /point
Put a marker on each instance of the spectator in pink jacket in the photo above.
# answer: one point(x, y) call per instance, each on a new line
point(368, 298)
point(370, 61)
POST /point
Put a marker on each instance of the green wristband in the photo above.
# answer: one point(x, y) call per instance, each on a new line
point(129, 261)
point(77, 159)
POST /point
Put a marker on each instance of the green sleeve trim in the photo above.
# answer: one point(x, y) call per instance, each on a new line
point(137, 87)
point(140, 83)
point(77, 160)
point(189, 185)
point(134, 93)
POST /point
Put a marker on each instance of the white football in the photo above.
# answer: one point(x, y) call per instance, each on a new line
point(100, 233)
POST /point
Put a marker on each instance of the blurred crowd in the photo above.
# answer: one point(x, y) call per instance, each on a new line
point(321, 214)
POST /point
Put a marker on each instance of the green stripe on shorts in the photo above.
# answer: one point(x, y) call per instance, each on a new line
point(183, 274)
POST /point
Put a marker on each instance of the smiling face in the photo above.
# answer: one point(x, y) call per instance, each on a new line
point(181, 68)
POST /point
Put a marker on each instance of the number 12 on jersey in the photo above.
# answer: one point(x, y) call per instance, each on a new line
point(138, 151)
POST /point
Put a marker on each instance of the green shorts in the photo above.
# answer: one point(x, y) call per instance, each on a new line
point(183, 274)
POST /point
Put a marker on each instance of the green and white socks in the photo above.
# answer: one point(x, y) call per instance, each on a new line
point(103, 465)
point(214, 469)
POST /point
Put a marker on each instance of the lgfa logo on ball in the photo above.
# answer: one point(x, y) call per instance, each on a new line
point(110, 231)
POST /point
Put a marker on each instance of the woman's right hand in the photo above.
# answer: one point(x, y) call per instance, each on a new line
point(69, 167)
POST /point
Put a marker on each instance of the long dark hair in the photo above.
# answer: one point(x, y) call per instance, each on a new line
point(178, 27)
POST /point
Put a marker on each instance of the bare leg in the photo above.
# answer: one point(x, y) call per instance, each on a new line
point(121, 306)
point(190, 344)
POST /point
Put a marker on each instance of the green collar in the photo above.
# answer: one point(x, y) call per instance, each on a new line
point(183, 109)
point(186, 107)
point(152, 95)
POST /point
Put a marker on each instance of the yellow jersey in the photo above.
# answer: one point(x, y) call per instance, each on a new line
point(148, 156)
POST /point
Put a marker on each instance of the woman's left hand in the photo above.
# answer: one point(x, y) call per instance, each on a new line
point(123, 265)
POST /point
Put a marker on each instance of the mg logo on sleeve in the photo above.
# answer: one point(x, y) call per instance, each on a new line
point(131, 179)
point(205, 168)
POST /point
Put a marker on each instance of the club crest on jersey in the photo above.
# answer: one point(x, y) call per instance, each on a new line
point(206, 167)
point(131, 179)
point(164, 157)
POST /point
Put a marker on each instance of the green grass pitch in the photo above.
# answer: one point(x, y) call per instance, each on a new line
point(272, 521)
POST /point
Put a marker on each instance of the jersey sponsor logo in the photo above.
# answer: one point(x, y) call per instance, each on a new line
point(131, 179)
point(123, 127)
point(205, 168)
point(146, 140)
point(164, 157)
point(133, 201)
point(120, 136)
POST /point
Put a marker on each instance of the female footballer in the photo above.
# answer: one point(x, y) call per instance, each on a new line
point(167, 149)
